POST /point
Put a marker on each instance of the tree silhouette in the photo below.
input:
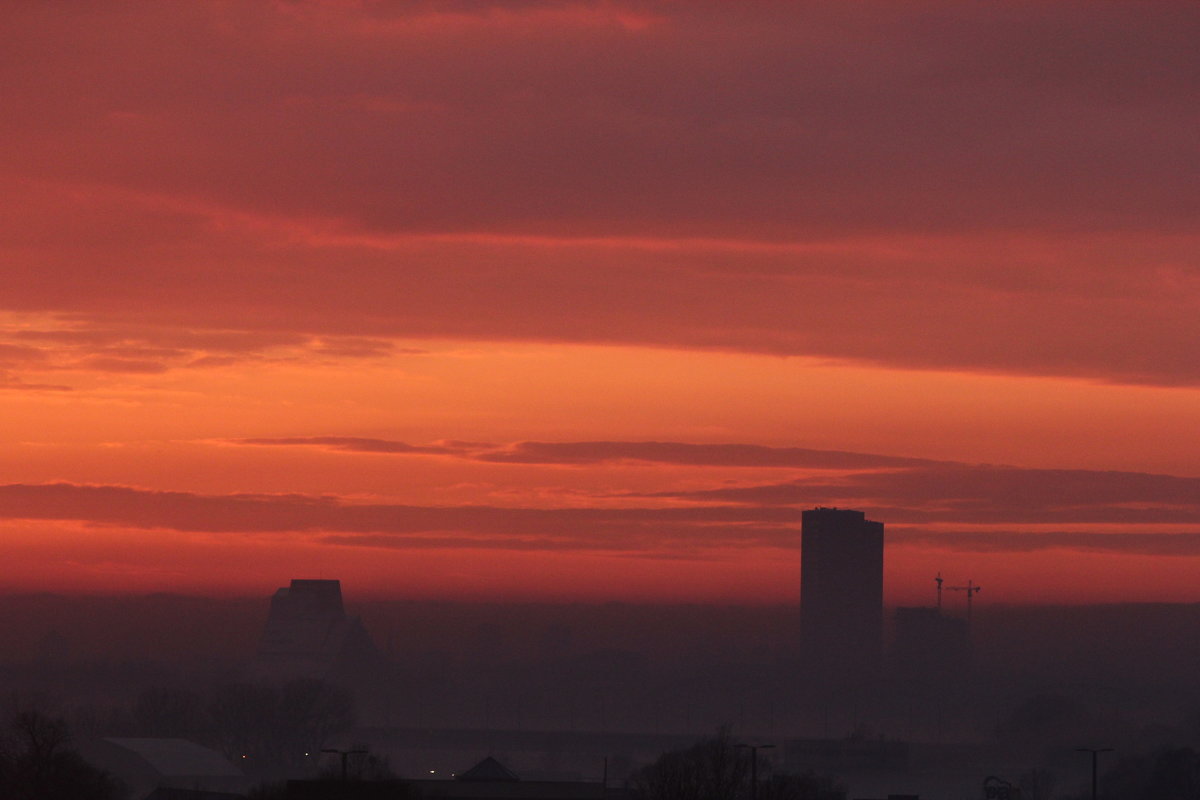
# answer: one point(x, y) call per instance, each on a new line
point(36, 763)
point(708, 770)
point(267, 727)
point(713, 769)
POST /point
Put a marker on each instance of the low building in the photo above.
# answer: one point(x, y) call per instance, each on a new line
point(146, 766)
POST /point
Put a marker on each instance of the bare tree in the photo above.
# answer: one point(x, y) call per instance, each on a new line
point(311, 713)
point(708, 770)
point(242, 717)
point(268, 727)
point(36, 763)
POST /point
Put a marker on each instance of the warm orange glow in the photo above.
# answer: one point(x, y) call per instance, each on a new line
point(586, 315)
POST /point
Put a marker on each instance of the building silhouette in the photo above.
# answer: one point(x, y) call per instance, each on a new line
point(931, 651)
point(841, 595)
point(309, 635)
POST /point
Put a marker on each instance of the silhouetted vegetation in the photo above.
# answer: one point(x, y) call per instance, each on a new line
point(260, 727)
point(714, 769)
point(36, 763)
point(277, 727)
point(360, 766)
point(708, 770)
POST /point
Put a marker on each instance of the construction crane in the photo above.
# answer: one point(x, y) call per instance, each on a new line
point(939, 583)
point(971, 589)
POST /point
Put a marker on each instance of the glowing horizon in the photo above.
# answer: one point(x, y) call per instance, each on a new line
point(588, 301)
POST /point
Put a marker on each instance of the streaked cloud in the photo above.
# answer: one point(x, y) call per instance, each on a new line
point(983, 494)
point(944, 187)
point(660, 532)
point(903, 490)
point(582, 453)
point(55, 346)
point(1146, 543)
point(353, 444)
point(632, 529)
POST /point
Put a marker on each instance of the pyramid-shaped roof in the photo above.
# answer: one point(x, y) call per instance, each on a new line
point(489, 770)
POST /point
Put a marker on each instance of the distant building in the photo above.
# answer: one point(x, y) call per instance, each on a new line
point(931, 650)
point(309, 635)
point(841, 595)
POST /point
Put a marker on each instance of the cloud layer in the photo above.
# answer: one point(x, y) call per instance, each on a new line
point(940, 185)
point(624, 117)
point(665, 273)
point(579, 453)
point(898, 488)
point(911, 487)
point(986, 494)
point(693, 532)
point(1004, 508)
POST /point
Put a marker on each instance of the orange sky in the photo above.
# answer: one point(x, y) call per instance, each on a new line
point(588, 300)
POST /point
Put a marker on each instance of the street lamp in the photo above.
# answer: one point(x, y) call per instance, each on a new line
point(1095, 751)
point(344, 754)
point(754, 748)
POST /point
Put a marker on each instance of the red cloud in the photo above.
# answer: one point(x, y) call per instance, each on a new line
point(156, 349)
point(981, 186)
point(894, 488)
point(521, 528)
point(724, 455)
point(984, 494)
point(354, 444)
point(662, 532)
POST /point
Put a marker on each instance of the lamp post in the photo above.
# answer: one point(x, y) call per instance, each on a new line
point(754, 748)
point(344, 754)
point(1095, 751)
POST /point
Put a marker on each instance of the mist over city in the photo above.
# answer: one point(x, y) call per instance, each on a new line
point(600, 400)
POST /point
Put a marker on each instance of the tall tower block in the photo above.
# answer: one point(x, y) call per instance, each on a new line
point(841, 594)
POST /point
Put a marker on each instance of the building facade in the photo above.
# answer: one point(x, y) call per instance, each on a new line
point(841, 594)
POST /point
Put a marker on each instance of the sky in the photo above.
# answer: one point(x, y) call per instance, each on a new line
point(586, 301)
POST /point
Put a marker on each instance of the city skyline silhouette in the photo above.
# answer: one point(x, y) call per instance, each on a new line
point(621, 388)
